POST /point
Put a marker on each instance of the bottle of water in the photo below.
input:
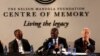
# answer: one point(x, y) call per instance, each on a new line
point(31, 50)
point(69, 50)
point(74, 51)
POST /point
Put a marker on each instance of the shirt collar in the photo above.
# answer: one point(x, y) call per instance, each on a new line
point(17, 40)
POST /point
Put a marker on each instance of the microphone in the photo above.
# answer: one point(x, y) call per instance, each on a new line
point(48, 50)
point(31, 50)
point(49, 45)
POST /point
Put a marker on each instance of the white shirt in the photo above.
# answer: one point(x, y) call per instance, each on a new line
point(20, 46)
point(88, 41)
point(55, 41)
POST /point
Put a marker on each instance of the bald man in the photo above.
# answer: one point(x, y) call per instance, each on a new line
point(85, 43)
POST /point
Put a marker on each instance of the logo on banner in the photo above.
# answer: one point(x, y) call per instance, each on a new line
point(45, 1)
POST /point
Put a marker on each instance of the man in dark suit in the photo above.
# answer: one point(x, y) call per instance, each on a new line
point(1, 48)
point(54, 42)
point(19, 44)
point(85, 43)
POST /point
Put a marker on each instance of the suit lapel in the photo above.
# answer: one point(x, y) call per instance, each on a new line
point(51, 40)
point(15, 45)
point(59, 40)
point(81, 41)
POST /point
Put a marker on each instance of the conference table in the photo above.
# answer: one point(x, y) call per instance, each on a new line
point(31, 54)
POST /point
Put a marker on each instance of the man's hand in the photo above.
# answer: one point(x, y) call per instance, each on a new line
point(57, 46)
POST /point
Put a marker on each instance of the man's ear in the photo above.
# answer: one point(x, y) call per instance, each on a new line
point(58, 32)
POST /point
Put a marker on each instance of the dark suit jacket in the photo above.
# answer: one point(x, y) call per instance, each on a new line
point(60, 41)
point(1, 48)
point(78, 44)
point(13, 45)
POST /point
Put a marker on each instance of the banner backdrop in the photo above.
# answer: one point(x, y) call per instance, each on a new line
point(36, 18)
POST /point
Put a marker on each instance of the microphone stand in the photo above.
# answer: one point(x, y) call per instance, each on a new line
point(61, 50)
point(56, 53)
